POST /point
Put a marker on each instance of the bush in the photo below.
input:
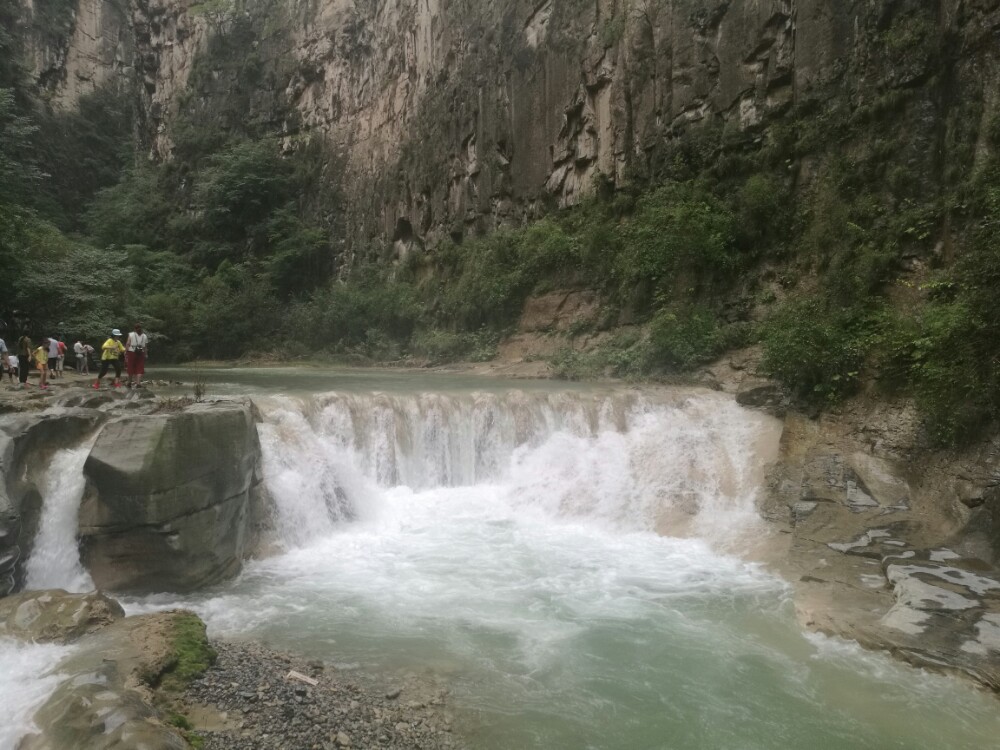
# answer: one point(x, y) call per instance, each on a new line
point(762, 210)
point(678, 230)
point(446, 346)
point(954, 380)
point(240, 187)
point(683, 338)
point(364, 315)
point(491, 277)
point(955, 355)
point(816, 348)
point(235, 312)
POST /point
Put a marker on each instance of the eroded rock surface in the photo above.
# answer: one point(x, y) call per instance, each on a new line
point(56, 615)
point(111, 699)
point(169, 500)
point(879, 542)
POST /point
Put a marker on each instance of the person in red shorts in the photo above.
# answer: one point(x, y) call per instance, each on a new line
point(135, 356)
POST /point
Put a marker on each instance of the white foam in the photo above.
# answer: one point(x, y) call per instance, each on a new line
point(27, 678)
point(623, 461)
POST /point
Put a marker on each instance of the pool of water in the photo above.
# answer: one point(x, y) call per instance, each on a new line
point(566, 559)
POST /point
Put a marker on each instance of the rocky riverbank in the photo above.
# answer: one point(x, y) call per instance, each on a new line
point(255, 698)
point(157, 681)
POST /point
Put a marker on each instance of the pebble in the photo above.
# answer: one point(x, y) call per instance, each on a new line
point(247, 682)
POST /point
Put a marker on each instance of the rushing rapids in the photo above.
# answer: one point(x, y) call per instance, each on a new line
point(623, 460)
point(565, 561)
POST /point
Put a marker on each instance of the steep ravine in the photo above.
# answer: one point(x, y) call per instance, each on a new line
point(460, 116)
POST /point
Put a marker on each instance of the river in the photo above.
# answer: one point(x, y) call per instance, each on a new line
point(574, 562)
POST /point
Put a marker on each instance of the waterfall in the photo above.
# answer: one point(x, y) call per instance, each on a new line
point(684, 463)
point(55, 556)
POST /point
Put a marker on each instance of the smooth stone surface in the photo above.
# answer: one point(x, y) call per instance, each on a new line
point(168, 502)
point(56, 615)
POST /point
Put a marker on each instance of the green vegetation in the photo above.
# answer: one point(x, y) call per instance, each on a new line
point(190, 653)
point(181, 722)
point(850, 250)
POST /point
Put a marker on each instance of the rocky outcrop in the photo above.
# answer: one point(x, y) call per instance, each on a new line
point(886, 542)
point(171, 499)
point(27, 442)
point(457, 117)
point(118, 674)
point(874, 534)
point(56, 615)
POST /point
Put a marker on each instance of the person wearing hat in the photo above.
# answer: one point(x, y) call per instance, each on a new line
point(111, 354)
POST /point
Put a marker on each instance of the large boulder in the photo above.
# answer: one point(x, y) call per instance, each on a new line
point(168, 506)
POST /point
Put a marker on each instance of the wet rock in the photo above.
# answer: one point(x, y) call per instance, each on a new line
point(91, 711)
point(89, 400)
point(764, 395)
point(56, 615)
point(169, 499)
point(108, 702)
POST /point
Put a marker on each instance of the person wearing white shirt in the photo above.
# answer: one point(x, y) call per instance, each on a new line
point(78, 351)
point(135, 356)
point(54, 371)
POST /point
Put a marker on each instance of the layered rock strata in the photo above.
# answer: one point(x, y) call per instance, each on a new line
point(452, 117)
point(885, 541)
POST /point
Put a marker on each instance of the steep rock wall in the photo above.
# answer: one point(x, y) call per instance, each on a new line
point(461, 115)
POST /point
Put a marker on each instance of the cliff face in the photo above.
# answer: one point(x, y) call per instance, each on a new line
point(457, 115)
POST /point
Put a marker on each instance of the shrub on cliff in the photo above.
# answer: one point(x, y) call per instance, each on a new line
point(682, 338)
point(488, 279)
point(681, 236)
point(816, 348)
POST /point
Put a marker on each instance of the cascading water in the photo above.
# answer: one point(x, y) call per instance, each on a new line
point(625, 461)
point(29, 674)
point(560, 559)
point(55, 555)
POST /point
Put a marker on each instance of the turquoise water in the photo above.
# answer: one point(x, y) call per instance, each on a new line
point(537, 589)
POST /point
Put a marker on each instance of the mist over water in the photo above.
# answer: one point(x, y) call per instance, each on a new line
point(567, 562)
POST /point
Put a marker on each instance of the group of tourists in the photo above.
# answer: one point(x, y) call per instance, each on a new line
point(49, 357)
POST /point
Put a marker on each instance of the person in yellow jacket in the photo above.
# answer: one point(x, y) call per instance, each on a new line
point(111, 356)
point(41, 357)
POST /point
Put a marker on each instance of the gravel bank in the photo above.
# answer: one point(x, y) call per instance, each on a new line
point(247, 702)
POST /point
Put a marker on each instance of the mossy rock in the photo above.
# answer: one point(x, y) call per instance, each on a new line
point(189, 656)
